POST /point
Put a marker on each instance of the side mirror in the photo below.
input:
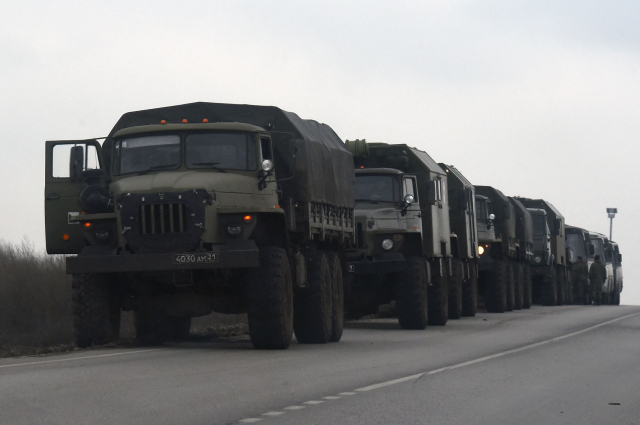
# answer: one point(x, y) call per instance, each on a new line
point(592, 250)
point(490, 221)
point(432, 192)
point(76, 162)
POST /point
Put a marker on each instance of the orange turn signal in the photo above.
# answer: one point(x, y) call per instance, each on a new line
point(87, 224)
point(205, 120)
point(247, 218)
point(65, 237)
point(163, 122)
point(185, 120)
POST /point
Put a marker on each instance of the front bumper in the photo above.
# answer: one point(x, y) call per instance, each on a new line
point(392, 263)
point(243, 255)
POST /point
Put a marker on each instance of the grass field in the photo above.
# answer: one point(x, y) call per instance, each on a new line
point(35, 305)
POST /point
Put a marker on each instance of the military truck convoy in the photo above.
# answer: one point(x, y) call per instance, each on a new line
point(206, 207)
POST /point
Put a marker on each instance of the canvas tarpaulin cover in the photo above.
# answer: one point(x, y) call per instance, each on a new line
point(324, 169)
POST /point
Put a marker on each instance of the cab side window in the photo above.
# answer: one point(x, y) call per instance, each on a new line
point(409, 188)
point(86, 157)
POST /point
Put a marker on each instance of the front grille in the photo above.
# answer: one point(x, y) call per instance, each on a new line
point(162, 218)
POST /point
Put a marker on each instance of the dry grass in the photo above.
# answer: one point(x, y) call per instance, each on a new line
point(35, 306)
point(35, 299)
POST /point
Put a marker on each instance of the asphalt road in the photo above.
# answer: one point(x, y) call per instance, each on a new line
point(544, 365)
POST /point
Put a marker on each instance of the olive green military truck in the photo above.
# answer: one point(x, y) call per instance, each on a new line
point(524, 255)
point(549, 268)
point(402, 249)
point(204, 207)
point(463, 301)
point(497, 241)
point(603, 247)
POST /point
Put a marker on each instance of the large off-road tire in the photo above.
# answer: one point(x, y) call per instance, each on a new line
point(470, 292)
point(312, 311)
point(270, 300)
point(438, 295)
point(412, 302)
point(550, 289)
point(527, 288)
point(337, 295)
point(518, 288)
point(511, 288)
point(496, 288)
point(455, 289)
point(561, 286)
point(96, 315)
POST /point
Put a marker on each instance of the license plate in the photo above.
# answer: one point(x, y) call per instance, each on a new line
point(199, 258)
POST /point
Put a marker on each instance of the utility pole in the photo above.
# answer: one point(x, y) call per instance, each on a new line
point(612, 213)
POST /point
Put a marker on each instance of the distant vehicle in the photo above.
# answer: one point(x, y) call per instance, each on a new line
point(402, 250)
point(617, 271)
point(578, 241)
point(549, 270)
point(464, 242)
point(603, 248)
point(204, 207)
point(505, 247)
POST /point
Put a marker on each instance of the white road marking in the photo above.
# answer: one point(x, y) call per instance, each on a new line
point(78, 358)
point(273, 414)
point(331, 397)
point(294, 407)
point(347, 393)
point(314, 402)
point(250, 420)
point(493, 356)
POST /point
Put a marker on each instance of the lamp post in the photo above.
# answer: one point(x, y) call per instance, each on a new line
point(612, 213)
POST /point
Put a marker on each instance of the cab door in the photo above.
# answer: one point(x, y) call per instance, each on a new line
point(66, 166)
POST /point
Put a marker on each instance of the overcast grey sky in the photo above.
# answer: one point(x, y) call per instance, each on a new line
point(537, 98)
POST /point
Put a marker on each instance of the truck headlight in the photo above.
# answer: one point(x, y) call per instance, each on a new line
point(234, 230)
point(387, 244)
point(538, 259)
point(480, 250)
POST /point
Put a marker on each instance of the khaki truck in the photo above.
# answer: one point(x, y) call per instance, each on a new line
point(549, 269)
point(603, 247)
point(498, 249)
point(578, 243)
point(403, 245)
point(464, 242)
point(617, 272)
point(203, 207)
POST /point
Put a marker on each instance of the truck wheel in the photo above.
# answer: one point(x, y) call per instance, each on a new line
point(437, 294)
point(605, 298)
point(337, 294)
point(561, 284)
point(527, 294)
point(470, 292)
point(412, 299)
point(518, 288)
point(496, 290)
point(181, 328)
point(550, 289)
point(312, 310)
point(455, 289)
point(511, 288)
point(96, 316)
point(270, 300)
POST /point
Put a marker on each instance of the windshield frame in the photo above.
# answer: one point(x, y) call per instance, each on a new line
point(117, 154)
point(116, 165)
point(396, 187)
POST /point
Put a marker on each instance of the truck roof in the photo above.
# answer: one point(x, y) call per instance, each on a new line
point(378, 171)
point(322, 168)
point(457, 175)
point(216, 126)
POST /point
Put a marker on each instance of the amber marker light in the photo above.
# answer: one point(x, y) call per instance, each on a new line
point(163, 122)
point(65, 237)
point(185, 120)
point(87, 224)
point(205, 120)
point(247, 218)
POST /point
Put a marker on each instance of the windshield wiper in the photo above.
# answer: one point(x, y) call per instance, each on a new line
point(156, 167)
point(212, 165)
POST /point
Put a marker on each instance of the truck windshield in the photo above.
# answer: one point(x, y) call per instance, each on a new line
point(147, 153)
point(575, 241)
point(539, 225)
point(230, 151)
point(377, 188)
